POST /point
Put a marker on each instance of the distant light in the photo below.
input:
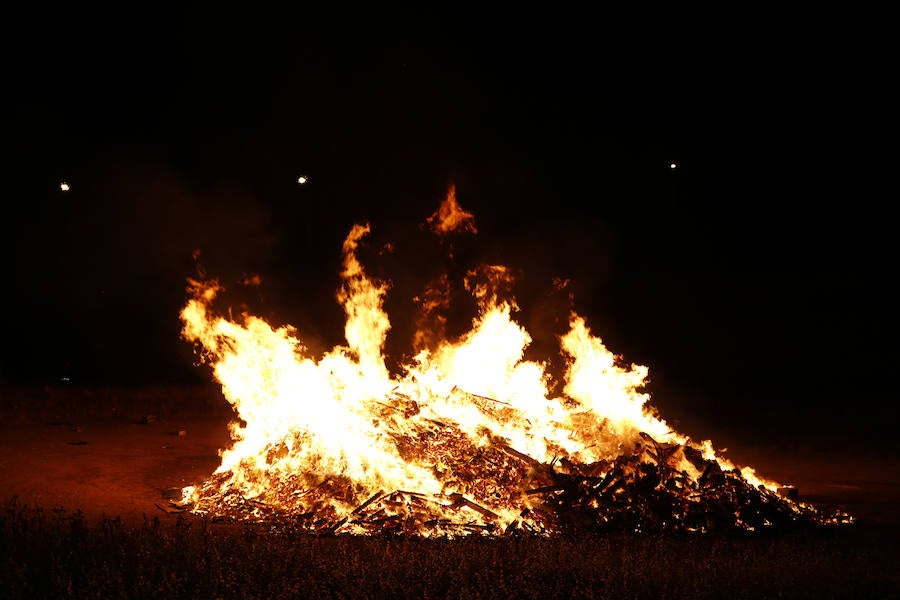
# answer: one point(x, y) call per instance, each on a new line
point(303, 179)
point(63, 186)
point(673, 165)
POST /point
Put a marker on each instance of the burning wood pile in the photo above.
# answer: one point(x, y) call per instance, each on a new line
point(654, 487)
point(468, 440)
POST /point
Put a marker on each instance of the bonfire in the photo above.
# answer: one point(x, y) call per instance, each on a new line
point(467, 437)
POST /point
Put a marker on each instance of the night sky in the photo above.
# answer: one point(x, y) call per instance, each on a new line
point(755, 278)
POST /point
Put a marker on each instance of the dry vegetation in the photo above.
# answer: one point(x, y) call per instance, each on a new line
point(54, 553)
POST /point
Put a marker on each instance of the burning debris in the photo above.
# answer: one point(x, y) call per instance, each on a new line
point(647, 489)
point(468, 441)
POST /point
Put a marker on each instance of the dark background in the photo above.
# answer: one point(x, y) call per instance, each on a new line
point(755, 279)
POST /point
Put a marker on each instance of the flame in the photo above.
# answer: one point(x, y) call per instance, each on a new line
point(328, 435)
point(450, 217)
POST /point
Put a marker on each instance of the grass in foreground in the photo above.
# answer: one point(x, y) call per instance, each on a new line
point(59, 554)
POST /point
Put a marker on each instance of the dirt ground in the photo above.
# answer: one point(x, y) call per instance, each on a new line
point(111, 468)
point(126, 457)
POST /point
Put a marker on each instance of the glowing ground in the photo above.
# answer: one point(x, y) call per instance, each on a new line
point(122, 463)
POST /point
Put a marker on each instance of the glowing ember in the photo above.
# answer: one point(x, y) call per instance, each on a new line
point(468, 438)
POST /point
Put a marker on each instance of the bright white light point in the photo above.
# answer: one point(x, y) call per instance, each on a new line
point(302, 179)
point(673, 165)
point(64, 186)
